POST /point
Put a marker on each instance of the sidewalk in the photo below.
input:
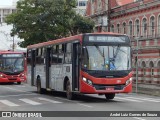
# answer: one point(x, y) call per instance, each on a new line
point(149, 89)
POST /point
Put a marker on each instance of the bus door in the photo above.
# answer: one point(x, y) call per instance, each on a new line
point(48, 65)
point(75, 66)
point(33, 58)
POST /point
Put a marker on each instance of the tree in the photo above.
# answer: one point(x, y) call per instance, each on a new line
point(80, 24)
point(43, 20)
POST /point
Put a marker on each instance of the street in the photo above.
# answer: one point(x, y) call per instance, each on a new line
point(24, 97)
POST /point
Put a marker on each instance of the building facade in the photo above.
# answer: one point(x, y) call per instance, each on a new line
point(81, 7)
point(4, 11)
point(139, 19)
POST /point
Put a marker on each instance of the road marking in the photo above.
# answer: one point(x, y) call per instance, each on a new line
point(16, 89)
point(65, 99)
point(127, 99)
point(139, 118)
point(30, 101)
point(85, 105)
point(18, 95)
point(20, 86)
point(49, 100)
point(6, 102)
point(145, 99)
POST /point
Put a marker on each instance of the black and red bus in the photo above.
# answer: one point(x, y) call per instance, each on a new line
point(13, 67)
point(91, 63)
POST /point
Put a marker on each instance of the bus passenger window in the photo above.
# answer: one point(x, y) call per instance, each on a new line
point(54, 54)
point(67, 58)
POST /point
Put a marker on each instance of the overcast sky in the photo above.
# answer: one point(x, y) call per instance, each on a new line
point(5, 2)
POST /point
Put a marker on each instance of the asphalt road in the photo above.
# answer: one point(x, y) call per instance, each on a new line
point(24, 97)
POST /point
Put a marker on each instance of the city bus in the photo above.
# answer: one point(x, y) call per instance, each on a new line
point(90, 63)
point(13, 67)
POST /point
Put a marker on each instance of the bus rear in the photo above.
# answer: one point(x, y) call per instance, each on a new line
point(106, 65)
point(12, 67)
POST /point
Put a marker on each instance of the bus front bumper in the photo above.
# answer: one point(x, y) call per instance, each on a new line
point(18, 79)
point(103, 89)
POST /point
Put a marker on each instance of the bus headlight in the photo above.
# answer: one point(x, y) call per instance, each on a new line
point(2, 76)
point(84, 79)
point(129, 81)
point(22, 75)
point(89, 82)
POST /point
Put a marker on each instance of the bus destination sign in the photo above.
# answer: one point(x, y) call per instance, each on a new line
point(12, 55)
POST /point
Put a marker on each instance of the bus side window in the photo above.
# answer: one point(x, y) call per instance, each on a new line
point(68, 53)
point(43, 53)
point(38, 55)
point(54, 54)
point(29, 57)
point(60, 54)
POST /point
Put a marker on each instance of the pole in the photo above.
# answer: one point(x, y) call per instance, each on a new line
point(109, 9)
point(137, 65)
point(13, 41)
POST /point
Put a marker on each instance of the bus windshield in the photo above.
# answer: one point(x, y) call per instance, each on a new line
point(106, 58)
point(11, 65)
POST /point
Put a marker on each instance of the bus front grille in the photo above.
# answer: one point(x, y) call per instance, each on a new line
point(104, 87)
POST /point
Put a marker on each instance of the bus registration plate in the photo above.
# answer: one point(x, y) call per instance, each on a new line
point(109, 88)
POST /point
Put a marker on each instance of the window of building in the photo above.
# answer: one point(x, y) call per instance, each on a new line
point(112, 28)
point(137, 31)
point(152, 26)
point(159, 25)
point(143, 68)
point(144, 27)
point(151, 65)
point(130, 28)
point(118, 28)
point(124, 28)
point(82, 3)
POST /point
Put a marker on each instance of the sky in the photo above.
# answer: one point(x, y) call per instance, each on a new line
point(5, 2)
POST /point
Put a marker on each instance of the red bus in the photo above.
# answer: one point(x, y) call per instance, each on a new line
point(91, 63)
point(13, 67)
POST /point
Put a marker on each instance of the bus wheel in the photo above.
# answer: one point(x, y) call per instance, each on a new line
point(110, 96)
point(69, 93)
point(39, 89)
point(18, 83)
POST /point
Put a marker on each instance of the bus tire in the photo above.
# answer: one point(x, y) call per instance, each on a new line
point(110, 96)
point(18, 83)
point(39, 89)
point(69, 93)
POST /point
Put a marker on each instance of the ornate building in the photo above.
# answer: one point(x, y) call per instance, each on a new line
point(139, 19)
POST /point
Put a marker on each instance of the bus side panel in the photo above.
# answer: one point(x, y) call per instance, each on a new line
point(56, 76)
point(58, 73)
point(67, 72)
point(29, 74)
point(40, 71)
point(33, 83)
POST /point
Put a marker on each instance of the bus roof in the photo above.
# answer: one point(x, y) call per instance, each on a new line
point(71, 38)
point(10, 52)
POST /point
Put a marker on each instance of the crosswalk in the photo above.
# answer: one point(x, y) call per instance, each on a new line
point(29, 101)
point(42, 100)
point(136, 99)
